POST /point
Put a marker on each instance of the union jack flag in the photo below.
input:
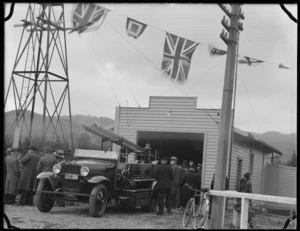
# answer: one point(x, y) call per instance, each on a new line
point(86, 17)
point(177, 57)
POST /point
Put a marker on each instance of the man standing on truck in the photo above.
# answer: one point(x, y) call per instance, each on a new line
point(164, 177)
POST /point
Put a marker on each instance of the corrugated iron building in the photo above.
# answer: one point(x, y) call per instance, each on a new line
point(175, 126)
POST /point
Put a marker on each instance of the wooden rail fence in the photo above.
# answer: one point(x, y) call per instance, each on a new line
point(245, 197)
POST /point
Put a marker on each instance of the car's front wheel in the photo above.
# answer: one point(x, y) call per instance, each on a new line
point(44, 201)
point(98, 200)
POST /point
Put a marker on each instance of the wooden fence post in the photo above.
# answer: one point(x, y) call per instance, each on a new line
point(244, 213)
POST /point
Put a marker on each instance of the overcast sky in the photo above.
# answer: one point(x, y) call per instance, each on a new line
point(108, 69)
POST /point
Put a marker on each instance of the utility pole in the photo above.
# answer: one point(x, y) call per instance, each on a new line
point(218, 203)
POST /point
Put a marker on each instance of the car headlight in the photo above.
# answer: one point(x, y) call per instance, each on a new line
point(56, 168)
point(84, 171)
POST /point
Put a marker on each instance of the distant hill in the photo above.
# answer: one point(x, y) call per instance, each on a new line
point(77, 122)
point(284, 142)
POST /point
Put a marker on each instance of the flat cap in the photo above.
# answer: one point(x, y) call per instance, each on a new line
point(173, 158)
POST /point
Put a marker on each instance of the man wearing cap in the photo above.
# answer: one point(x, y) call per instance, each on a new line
point(60, 157)
point(175, 182)
point(164, 177)
point(12, 176)
point(28, 175)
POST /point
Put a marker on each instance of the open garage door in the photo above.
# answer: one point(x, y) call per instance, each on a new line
point(186, 146)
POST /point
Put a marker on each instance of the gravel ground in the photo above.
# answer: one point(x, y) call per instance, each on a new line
point(77, 217)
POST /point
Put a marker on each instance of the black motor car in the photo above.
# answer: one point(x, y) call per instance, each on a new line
point(97, 178)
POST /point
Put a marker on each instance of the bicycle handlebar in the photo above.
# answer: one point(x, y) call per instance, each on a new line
point(197, 190)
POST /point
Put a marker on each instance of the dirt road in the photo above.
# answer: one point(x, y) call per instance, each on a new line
point(77, 217)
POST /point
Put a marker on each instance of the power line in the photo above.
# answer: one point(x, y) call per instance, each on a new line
point(105, 75)
point(240, 69)
point(160, 29)
point(109, 53)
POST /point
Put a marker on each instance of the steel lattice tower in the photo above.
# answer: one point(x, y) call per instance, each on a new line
point(40, 80)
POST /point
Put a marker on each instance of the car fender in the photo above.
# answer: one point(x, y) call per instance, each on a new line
point(104, 180)
point(98, 179)
point(53, 179)
point(46, 176)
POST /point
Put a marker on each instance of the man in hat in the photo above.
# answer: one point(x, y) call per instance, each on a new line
point(164, 177)
point(175, 182)
point(246, 187)
point(60, 159)
point(12, 176)
point(28, 175)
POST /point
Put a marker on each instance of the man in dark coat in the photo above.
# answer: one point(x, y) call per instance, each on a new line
point(184, 170)
point(192, 178)
point(164, 177)
point(246, 187)
point(175, 182)
point(46, 162)
point(12, 177)
point(28, 175)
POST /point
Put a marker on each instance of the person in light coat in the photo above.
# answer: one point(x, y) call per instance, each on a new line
point(12, 177)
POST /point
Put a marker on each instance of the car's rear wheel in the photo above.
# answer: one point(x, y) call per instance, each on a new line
point(98, 200)
point(44, 201)
point(152, 207)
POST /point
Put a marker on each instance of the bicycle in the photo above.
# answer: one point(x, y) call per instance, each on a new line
point(196, 211)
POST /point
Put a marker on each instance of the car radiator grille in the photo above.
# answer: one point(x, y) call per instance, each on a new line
point(71, 169)
point(74, 169)
point(71, 184)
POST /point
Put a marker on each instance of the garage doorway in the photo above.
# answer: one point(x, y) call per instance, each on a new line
point(186, 146)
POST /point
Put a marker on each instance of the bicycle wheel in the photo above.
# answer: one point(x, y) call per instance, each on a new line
point(201, 215)
point(188, 214)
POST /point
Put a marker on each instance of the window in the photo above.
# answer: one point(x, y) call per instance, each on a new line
point(239, 172)
point(251, 163)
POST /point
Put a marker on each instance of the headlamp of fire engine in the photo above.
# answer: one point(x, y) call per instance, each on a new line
point(56, 168)
point(84, 171)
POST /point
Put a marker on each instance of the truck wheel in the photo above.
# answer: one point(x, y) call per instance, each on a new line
point(44, 201)
point(152, 207)
point(98, 200)
point(153, 202)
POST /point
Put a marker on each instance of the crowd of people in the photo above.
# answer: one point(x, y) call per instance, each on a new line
point(172, 179)
point(171, 183)
point(21, 172)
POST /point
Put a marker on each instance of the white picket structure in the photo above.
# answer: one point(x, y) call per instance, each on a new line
point(245, 201)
